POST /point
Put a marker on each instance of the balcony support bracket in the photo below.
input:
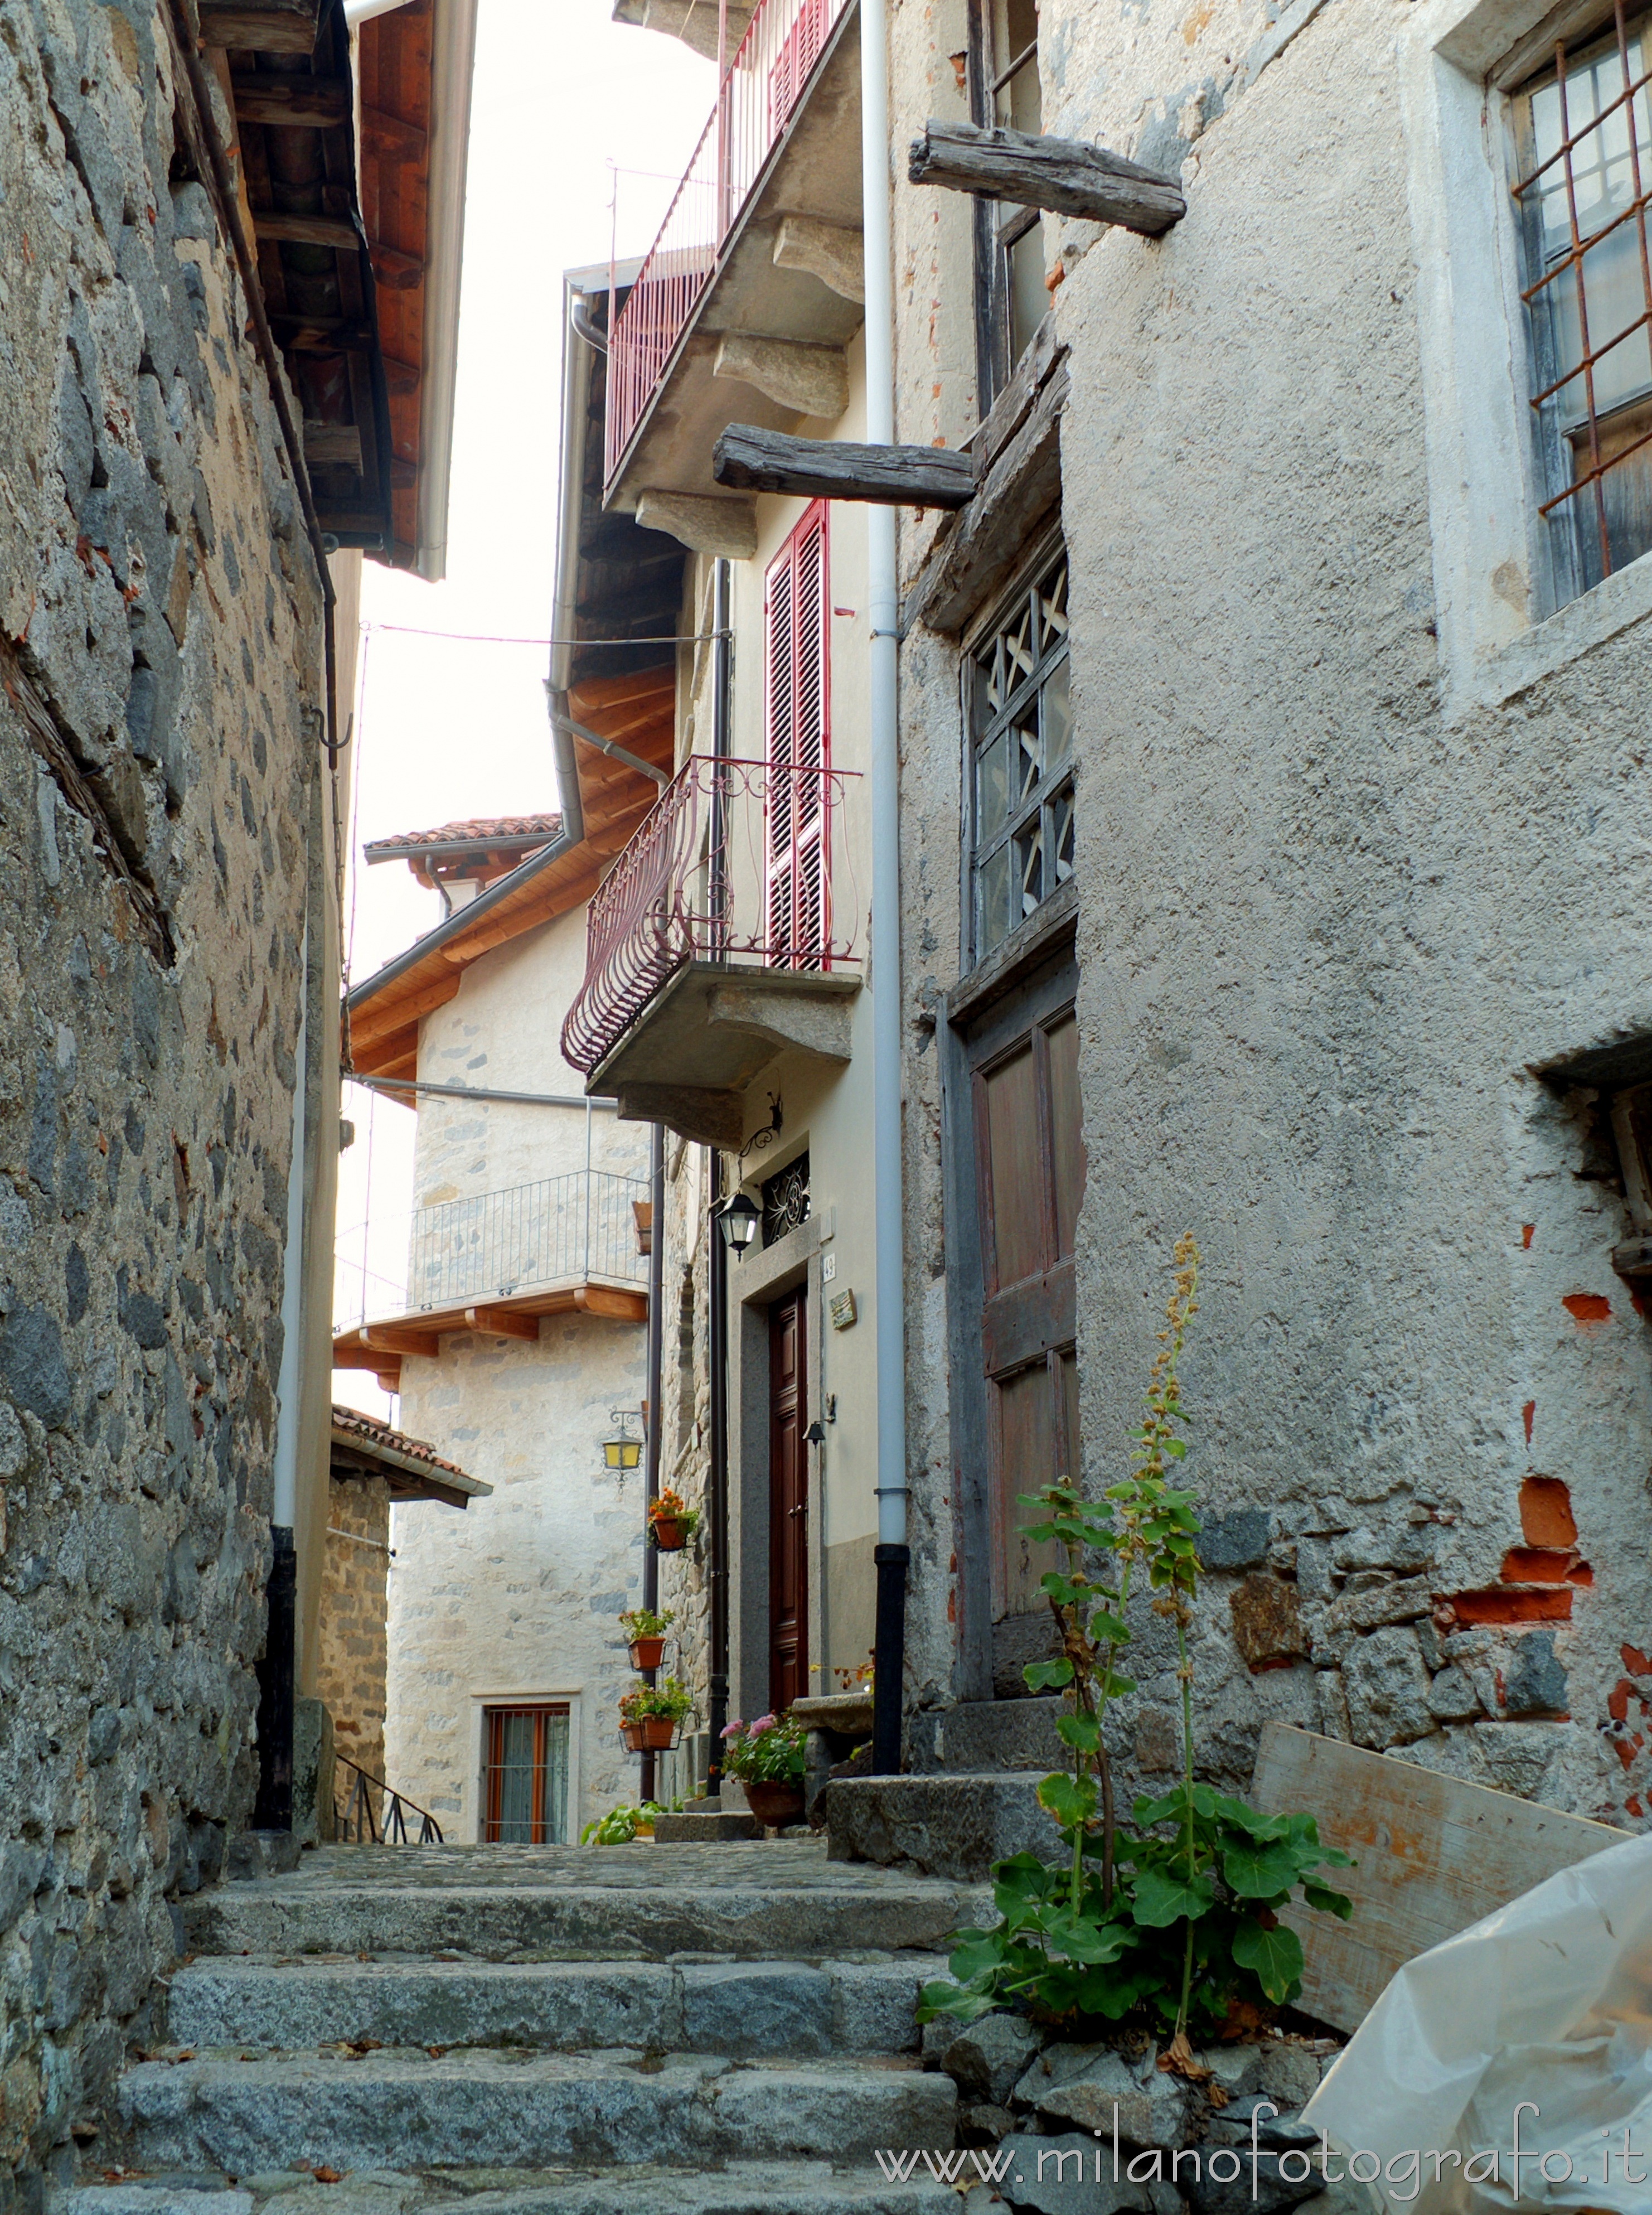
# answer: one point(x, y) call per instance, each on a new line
point(707, 1116)
point(1068, 176)
point(834, 468)
point(813, 379)
point(782, 1020)
point(830, 251)
point(724, 528)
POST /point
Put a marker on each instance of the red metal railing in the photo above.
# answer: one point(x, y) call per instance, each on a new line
point(761, 88)
point(698, 882)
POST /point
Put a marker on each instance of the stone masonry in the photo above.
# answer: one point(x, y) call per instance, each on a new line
point(355, 1603)
point(159, 768)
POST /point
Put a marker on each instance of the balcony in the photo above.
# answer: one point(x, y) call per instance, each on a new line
point(725, 935)
point(749, 294)
point(492, 1264)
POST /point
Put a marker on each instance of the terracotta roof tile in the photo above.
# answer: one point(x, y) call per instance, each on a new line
point(374, 1433)
point(477, 830)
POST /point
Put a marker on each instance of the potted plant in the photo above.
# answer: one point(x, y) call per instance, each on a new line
point(646, 1632)
point(671, 1521)
point(768, 1756)
point(651, 1715)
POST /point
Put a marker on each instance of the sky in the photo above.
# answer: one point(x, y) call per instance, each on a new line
point(445, 725)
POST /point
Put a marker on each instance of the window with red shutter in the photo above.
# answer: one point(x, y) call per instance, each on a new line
point(797, 748)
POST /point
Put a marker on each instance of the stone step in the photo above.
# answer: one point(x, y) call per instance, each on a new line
point(574, 1912)
point(951, 1826)
point(979, 1737)
point(738, 2009)
point(742, 2188)
point(532, 2112)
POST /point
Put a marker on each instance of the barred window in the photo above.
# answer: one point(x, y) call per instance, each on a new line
point(1020, 768)
point(1584, 158)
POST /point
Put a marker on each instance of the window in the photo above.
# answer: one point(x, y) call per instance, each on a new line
point(1020, 762)
point(797, 715)
point(525, 1775)
point(786, 1199)
point(1011, 297)
point(1584, 158)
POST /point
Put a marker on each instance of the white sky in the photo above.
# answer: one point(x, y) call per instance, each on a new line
point(445, 728)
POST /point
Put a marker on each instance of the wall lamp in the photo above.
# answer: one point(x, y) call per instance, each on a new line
point(739, 1217)
point(622, 1451)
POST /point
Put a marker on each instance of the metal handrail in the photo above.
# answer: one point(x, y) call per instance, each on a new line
point(726, 839)
point(357, 1823)
point(760, 91)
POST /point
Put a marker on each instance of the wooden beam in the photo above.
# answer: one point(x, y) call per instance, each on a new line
point(270, 26)
point(622, 1307)
point(830, 468)
point(390, 139)
point(504, 1322)
point(397, 272)
point(392, 1337)
point(1435, 1855)
point(316, 103)
point(306, 230)
point(374, 1020)
point(1021, 488)
point(346, 1354)
point(301, 333)
point(401, 377)
point(1069, 177)
point(327, 445)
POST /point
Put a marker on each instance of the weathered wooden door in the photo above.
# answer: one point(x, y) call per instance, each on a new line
point(788, 1502)
point(798, 718)
point(1029, 1181)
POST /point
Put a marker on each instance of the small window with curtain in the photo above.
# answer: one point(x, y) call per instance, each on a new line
point(797, 723)
point(1019, 799)
point(1583, 134)
point(525, 1775)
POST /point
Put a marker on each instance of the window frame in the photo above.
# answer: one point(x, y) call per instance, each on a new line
point(979, 735)
point(544, 1711)
point(1000, 226)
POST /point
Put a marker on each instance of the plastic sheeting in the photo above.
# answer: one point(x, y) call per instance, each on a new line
point(1512, 2066)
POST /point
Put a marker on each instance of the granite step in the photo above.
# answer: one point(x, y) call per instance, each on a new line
point(741, 2188)
point(981, 1737)
point(950, 1826)
point(523, 2111)
point(738, 2009)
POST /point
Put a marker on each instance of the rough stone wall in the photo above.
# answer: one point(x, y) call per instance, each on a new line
point(685, 1460)
point(157, 602)
point(355, 1602)
point(1325, 933)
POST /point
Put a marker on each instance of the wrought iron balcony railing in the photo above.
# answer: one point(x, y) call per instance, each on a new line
point(494, 1246)
point(760, 89)
point(740, 861)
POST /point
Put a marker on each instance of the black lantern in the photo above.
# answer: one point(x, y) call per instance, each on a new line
point(621, 1451)
point(740, 1219)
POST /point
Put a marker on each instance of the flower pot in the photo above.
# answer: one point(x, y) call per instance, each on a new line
point(775, 1804)
point(647, 1652)
point(670, 1536)
point(632, 1735)
point(658, 1734)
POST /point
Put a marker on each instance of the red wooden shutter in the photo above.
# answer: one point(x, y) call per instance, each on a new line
point(797, 748)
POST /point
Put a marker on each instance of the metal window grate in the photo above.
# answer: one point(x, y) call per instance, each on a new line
point(786, 1199)
point(1021, 765)
point(1587, 151)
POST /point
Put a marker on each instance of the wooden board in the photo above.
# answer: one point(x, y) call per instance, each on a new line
point(1435, 1855)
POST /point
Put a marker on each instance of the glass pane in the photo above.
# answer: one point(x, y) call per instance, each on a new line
point(1028, 760)
point(1061, 840)
point(1055, 702)
point(1030, 1454)
point(1028, 885)
point(991, 789)
point(514, 1744)
point(993, 883)
point(1052, 607)
point(1066, 1129)
point(1015, 1234)
point(1029, 301)
point(553, 1783)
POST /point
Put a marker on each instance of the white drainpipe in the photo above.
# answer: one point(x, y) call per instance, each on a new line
point(284, 1513)
point(887, 1274)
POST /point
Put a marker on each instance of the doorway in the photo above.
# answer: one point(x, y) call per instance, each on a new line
point(788, 1502)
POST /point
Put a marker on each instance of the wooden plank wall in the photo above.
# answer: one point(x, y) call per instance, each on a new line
point(1434, 1854)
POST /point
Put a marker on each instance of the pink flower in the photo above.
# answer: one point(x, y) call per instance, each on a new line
point(733, 1730)
point(762, 1723)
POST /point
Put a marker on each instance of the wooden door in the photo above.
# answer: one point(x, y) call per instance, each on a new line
point(788, 1502)
point(1029, 1183)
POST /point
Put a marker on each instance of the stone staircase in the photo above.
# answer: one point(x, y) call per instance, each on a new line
point(705, 2029)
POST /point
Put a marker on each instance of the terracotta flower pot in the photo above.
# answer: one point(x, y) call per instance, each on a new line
point(647, 1652)
point(631, 1733)
point(775, 1804)
point(668, 1534)
point(658, 1734)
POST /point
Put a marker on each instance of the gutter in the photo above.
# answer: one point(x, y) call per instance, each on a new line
point(453, 69)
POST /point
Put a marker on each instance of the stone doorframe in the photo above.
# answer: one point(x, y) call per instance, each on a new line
point(757, 1279)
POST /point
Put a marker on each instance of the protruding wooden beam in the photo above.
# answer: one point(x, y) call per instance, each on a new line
point(1067, 175)
point(504, 1322)
point(320, 334)
point(401, 376)
point(270, 26)
point(396, 272)
point(306, 229)
point(390, 139)
point(622, 1307)
point(829, 469)
point(392, 1338)
point(328, 444)
point(315, 103)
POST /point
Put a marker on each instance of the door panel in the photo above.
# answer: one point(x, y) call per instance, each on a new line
point(1014, 1218)
point(788, 1503)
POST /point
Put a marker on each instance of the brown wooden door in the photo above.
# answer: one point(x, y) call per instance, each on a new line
point(1030, 1179)
point(788, 1503)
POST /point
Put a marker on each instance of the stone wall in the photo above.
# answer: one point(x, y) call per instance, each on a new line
point(158, 763)
point(1331, 919)
point(355, 1602)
